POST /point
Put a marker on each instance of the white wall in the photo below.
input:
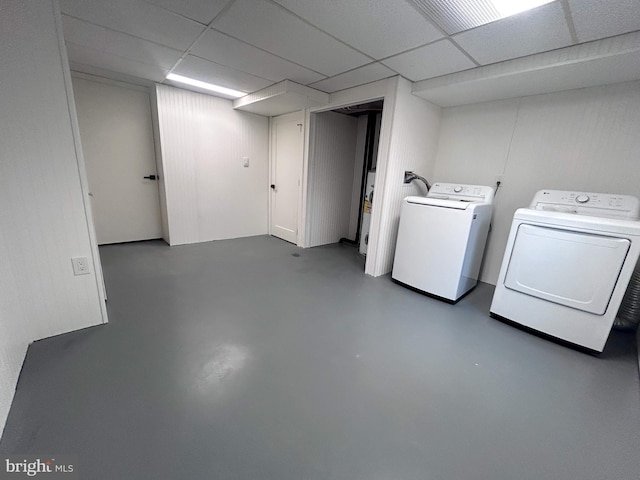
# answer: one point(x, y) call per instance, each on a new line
point(586, 139)
point(413, 139)
point(44, 220)
point(333, 148)
point(209, 194)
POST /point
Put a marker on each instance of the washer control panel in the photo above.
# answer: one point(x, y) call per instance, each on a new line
point(460, 192)
point(587, 203)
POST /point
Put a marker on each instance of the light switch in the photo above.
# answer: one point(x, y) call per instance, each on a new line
point(245, 161)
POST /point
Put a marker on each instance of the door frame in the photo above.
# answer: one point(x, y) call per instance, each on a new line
point(385, 90)
point(155, 131)
point(300, 116)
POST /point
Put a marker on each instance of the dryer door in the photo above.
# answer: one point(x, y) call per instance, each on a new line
point(575, 269)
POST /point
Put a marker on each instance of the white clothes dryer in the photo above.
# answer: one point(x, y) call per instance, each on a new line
point(441, 239)
point(567, 264)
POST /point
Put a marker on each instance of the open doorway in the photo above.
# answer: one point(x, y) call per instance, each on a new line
point(343, 149)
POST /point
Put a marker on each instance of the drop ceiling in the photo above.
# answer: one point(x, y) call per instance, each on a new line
point(248, 45)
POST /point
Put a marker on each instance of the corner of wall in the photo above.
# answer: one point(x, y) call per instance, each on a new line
point(412, 145)
point(384, 149)
point(11, 360)
point(162, 187)
point(46, 213)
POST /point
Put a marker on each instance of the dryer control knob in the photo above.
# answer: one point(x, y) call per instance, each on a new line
point(457, 189)
point(582, 198)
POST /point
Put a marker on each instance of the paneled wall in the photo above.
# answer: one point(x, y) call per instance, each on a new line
point(584, 139)
point(331, 169)
point(412, 146)
point(44, 220)
point(209, 194)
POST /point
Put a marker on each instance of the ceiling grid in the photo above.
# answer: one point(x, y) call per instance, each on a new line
point(249, 44)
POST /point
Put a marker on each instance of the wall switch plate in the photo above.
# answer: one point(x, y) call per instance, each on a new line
point(245, 161)
point(80, 265)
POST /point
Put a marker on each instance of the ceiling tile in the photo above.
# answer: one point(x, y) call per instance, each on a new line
point(202, 11)
point(439, 58)
point(200, 69)
point(228, 51)
point(459, 15)
point(596, 19)
point(359, 76)
point(92, 36)
point(136, 18)
point(538, 30)
point(278, 31)
point(82, 55)
point(380, 30)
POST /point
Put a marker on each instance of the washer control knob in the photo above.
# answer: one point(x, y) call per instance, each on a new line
point(457, 189)
point(582, 198)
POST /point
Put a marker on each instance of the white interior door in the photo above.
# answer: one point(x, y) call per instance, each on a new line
point(287, 135)
point(117, 142)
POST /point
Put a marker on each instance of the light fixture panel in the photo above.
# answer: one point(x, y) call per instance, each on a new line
point(206, 86)
point(455, 16)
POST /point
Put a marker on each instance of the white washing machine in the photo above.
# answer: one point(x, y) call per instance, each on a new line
point(441, 239)
point(567, 264)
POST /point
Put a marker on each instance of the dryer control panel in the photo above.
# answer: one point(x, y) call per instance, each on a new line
point(587, 203)
point(462, 193)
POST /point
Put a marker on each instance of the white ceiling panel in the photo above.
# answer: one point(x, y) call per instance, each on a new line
point(380, 30)
point(359, 76)
point(119, 44)
point(538, 30)
point(136, 18)
point(228, 51)
point(595, 19)
point(278, 31)
point(610, 60)
point(107, 61)
point(210, 72)
point(202, 11)
point(439, 58)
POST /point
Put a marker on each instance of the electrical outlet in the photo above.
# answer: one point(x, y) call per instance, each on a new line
point(499, 179)
point(80, 265)
point(245, 161)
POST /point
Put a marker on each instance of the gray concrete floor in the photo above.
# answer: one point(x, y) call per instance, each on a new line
point(253, 359)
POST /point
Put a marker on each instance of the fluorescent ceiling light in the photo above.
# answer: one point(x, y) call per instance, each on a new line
point(506, 8)
point(456, 16)
point(207, 86)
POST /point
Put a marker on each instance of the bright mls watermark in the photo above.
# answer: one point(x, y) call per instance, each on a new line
point(51, 467)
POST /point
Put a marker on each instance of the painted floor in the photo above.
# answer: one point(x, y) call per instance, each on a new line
point(254, 359)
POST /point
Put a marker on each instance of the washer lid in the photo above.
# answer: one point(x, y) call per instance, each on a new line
point(439, 202)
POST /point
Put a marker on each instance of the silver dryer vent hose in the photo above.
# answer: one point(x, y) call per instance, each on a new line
point(629, 313)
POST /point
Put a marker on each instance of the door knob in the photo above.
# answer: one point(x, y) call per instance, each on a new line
point(273, 187)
